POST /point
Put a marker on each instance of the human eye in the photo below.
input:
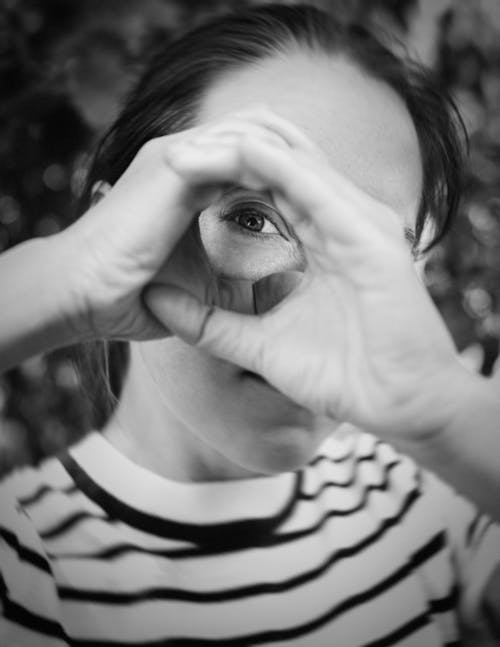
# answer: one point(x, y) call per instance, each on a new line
point(245, 236)
point(252, 218)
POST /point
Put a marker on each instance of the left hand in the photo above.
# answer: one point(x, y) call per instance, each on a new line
point(359, 338)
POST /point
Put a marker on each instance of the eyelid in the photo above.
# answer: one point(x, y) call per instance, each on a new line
point(246, 199)
point(228, 212)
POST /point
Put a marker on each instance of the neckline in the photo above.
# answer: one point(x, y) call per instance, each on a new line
point(232, 512)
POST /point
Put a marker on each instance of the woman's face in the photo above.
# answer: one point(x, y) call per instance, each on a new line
point(218, 421)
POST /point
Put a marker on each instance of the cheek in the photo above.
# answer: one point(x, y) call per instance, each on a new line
point(234, 255)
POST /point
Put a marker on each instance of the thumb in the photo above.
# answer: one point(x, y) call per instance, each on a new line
point(231, 336)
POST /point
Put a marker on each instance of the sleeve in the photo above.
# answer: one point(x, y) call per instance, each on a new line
point(29, 605)
point(475, 544)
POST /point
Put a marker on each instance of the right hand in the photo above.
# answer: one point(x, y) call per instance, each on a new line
point(139, 233)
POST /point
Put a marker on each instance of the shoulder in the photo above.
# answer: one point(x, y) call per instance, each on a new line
point(426, 504)
point(439, 528)
point(25, 491)
point(37, 504)
point(28, 594)
point(29, 483)
point(369, 461)
point(22, 493)
point(24, 487)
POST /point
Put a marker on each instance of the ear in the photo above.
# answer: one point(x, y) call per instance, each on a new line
point(99, 190)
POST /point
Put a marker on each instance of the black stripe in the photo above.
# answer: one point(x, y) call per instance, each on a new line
point(22, 616)
point(43, 490)
point(230, 595)
point(228, 534)
point(436, 544)
point(408, 628)
point(350, 481)
point(24, 553)
point(72, 520)
point(341, 459)
point(428, 550)
point(271, 540)
point(293, 633)
point(107, 597)
point(117, 550)
point(330, 459)
point(447, 603)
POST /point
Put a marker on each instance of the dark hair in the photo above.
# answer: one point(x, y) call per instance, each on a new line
point(167, 97)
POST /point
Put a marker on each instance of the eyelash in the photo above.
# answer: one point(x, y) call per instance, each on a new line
point(231, 214)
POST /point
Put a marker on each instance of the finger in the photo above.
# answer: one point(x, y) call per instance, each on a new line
point(216, 143)
point(322, 201)
point(294, 137)
point(320, 196)
point(231, 336)
point(258, 165)
point(225, 131)
point(263, 116)
point(262, 122)
point(217, 164)
point(229, 131)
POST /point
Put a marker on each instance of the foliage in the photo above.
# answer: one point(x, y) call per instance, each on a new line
point(65, 67)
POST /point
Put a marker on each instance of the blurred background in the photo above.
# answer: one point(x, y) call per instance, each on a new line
point(65, 68)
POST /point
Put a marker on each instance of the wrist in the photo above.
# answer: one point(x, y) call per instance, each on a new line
point(446, 405)
point(66, 306)
point(60, 316)
point(472, 397)
point(464, 450)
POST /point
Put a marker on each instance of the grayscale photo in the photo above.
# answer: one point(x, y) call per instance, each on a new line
point(250, 323)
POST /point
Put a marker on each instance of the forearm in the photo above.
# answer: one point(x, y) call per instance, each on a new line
point(33, 317)
point(466, 453)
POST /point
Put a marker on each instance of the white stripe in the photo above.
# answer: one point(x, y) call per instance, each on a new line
point(158, 618)
point(212, 502)
point(239, 568)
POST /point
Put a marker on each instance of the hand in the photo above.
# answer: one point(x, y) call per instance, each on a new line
point(140, 232)
point(358, 338)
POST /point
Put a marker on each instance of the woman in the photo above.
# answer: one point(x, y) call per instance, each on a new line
point(257, 261)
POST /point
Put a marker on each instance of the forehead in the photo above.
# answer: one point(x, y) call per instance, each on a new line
point(360, 123)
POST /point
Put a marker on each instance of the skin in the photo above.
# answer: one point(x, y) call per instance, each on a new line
point(344, 329)
point(190, 416)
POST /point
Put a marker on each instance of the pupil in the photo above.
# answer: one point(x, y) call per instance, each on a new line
point(251, 220)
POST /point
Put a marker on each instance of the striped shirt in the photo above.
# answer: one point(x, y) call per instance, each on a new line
point(359, 548)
